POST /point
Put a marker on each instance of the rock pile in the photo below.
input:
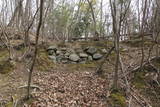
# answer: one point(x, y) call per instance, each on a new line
point(67, 55)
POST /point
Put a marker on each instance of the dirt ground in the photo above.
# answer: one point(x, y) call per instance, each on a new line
point(67, 85)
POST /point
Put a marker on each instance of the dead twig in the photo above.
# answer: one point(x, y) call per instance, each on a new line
point(32, 86)
point(139, 98)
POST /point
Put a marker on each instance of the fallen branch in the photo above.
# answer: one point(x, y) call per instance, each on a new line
point(32, 86)
point(140, 99)
point(125, 77)
point(138, 67)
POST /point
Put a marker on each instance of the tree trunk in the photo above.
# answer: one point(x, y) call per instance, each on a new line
point(142, 33)
point(36, 49)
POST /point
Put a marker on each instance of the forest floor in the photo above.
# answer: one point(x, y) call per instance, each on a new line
point(77, 85)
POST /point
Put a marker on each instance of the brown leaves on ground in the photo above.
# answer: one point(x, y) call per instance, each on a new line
point(65, 89)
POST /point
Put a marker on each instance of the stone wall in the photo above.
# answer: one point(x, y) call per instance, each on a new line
point(78, 55)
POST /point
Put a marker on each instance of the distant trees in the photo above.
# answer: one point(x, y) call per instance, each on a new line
point(96, 34)
point(63, 20)
point(59, 20)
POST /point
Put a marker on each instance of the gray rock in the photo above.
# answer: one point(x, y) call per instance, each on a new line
point(91, 50)
point(104, 51)
point(74, 57)
point(64, 61)
point(78, 50)
point(59, 58)
point(90, 58)
point(64, 49)
point(66, 57)
point(83, 55)
point(51, 52)
point(82, 62)
point(97, 56)
point(52, 48)
point(67, 54)
point(70, 51)
point(52, 58)
point(86, 48)
point(73, 62)
point(58, 52)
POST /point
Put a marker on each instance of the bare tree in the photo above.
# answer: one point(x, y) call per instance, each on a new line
point(117, 19)
point(36, 48)
point(101, 18)
point(142, 31)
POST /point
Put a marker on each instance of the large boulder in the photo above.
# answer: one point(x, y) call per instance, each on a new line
point(97, 56)
point(74, 57)
point(91, 50)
